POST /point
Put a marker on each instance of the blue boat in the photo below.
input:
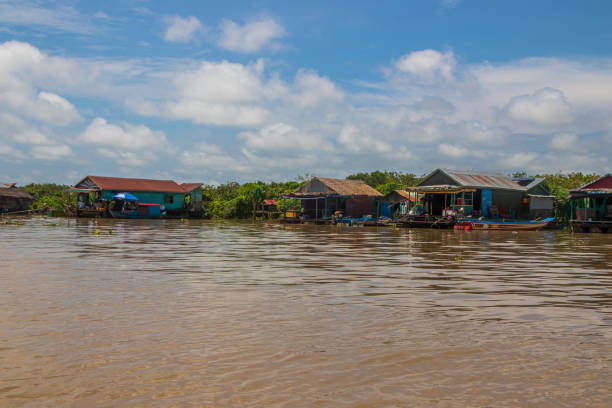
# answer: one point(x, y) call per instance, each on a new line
point(503, 225)
point(129, 206)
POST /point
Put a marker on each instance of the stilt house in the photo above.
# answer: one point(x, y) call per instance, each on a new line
point(177, 198)
point(591, 206)
point(13, 199)
point(472, 193)
point(322, 197)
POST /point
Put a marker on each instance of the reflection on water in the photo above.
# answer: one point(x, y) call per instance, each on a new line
point(165, 313)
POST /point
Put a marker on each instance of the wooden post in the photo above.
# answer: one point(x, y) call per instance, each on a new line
point(316, 210)
point(254, 207)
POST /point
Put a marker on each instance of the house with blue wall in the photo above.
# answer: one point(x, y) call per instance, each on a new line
point(179, 199)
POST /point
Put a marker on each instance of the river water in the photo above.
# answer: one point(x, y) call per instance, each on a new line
point(224, 314)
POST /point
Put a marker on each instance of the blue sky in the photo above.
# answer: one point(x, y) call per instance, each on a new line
point(221, 91)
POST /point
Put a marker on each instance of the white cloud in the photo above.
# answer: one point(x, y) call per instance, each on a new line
point(51, 152)
point(213, 158)
point(222, 94)
point(251, 37)
point(358, 141)
point(128, 159)
point(313, 90)
point(546, 106)
point(428, 64)
point(565, 141)
point(452, 150)
point(27, 13)
point(128, 136)
point(9, 153)
point(520, 160)
point(281, 136)
point(179, 29)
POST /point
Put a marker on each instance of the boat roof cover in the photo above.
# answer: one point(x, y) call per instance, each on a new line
point(125, 197)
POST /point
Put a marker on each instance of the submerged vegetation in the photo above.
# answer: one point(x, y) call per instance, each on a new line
point(234, 200)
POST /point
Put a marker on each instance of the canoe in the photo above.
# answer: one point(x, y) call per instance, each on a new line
point(505, 225)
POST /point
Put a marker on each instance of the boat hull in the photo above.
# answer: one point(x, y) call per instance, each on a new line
point(119, 214)
point(506, 225)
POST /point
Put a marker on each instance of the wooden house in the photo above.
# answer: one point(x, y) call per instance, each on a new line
point(323, 197)
point(541, 202)
point(14, 199)
point(591, 206)
point(179, 199)
point(397, 202)
point(478, 194)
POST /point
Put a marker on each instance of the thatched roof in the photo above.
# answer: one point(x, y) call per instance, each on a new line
point(320, 186)
point(9, 190)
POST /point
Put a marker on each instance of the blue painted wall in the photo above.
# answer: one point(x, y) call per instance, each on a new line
point(150, 197)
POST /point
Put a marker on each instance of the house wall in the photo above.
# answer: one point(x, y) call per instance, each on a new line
point(196, 195)
point(358, 207)
point(510, 201)
point(9, 204)
point(151, 197)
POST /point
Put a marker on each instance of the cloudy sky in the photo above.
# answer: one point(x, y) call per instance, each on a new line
point(268, 90)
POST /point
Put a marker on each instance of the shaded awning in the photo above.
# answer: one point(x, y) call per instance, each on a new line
point(125, 197)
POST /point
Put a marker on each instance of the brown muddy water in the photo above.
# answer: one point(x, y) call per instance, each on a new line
point(171, 314)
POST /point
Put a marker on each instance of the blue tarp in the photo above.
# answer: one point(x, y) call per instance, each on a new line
point(125, 197)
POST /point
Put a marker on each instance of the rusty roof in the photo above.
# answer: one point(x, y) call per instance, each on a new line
point(341, 187)
point(135, 184)
point(479, 179)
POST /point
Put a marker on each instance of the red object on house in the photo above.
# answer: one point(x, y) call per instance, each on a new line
point(269, 202)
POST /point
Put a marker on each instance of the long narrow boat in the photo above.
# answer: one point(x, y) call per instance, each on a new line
point(505, 225)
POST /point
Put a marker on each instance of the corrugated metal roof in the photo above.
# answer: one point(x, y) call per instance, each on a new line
point(134, 184)
point(529, 182)
point(341, 187)
point(479, 179)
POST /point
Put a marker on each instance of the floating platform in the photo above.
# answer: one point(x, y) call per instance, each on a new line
point(601, 226)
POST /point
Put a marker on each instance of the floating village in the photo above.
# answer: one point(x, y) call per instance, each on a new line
point(464, 200)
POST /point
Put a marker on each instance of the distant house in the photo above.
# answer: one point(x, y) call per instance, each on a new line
point(541, 202)
point(322, 197)
point(473, 193)
point(397, 201)
point(177, 198)
point(591, 206)
point(13, 199)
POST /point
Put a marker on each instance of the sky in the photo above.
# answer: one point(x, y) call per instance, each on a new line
point(224, 91)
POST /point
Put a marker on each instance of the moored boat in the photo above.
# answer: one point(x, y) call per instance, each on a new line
point(128, 206)
point(505, 225)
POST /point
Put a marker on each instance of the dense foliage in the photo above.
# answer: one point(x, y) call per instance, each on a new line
point(387, 181)
point(560, 185)
point(233, 200)
point(53, 196)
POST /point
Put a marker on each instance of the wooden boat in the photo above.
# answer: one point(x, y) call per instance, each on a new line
point(504, 225)
point(128, 206)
